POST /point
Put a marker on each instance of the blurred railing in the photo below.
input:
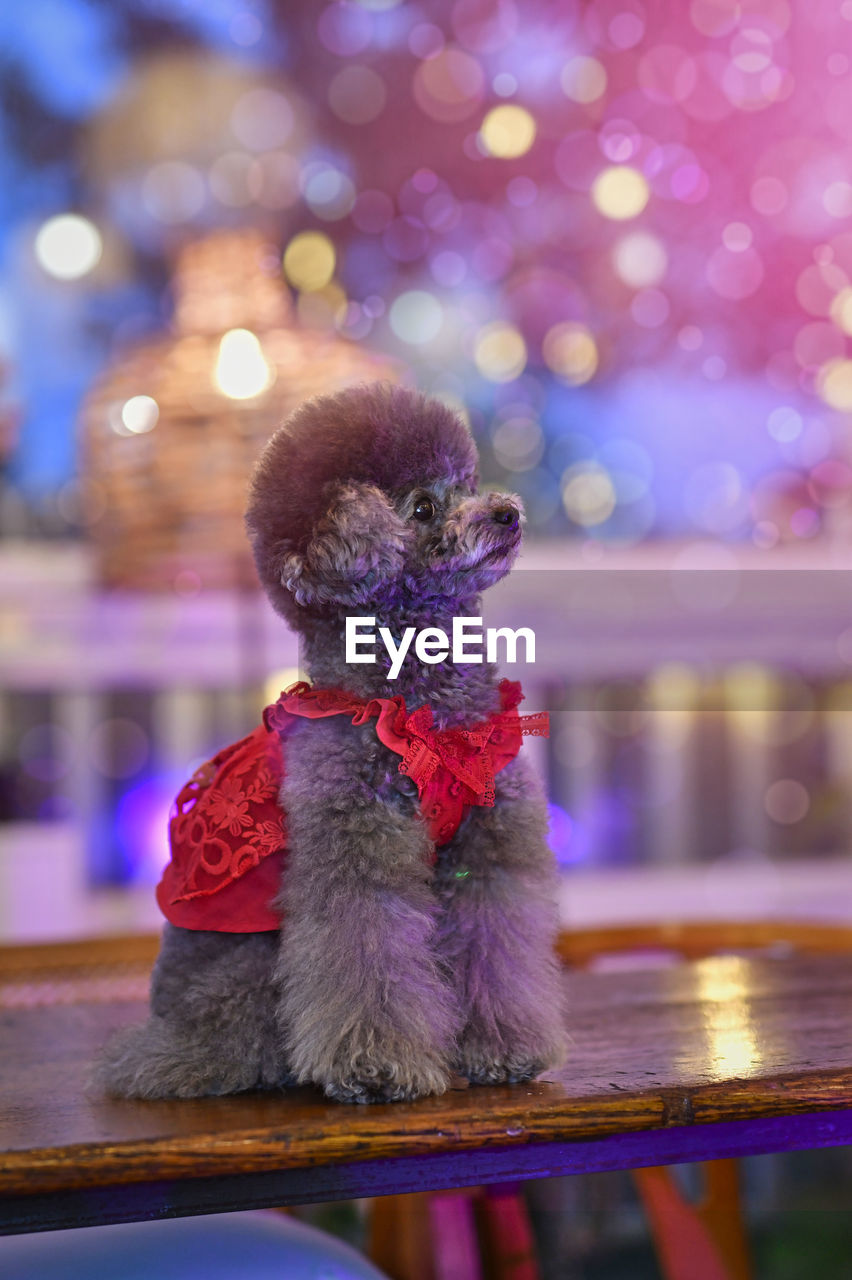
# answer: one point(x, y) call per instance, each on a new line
point(699, 699)
point(610, 615)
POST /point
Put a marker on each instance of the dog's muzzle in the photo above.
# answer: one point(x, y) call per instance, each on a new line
point(508, 516)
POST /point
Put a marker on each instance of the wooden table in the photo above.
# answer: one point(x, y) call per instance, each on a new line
point(722, 1056)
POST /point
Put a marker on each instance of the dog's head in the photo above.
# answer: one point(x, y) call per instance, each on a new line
point(369, 496)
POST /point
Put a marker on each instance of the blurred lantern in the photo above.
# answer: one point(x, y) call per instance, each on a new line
point(171, 433)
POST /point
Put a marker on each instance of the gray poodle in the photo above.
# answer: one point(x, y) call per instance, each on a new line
point(384, 952)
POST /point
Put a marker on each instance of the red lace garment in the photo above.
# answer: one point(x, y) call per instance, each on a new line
point(227, 830)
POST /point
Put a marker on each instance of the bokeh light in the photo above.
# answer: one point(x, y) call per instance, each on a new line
point(650, 308)
point(118, 747)
point(837, 199)
point(357, 94)
point(715, 497)
point(620, 192)
point(834, 383)
point(787, 801)
point(583, 79)
point(841, 310)
point(768, 195)
point(640, 259)
point(571, 352)
point(449, 86)
point(448, 268)
point(309, 260)
point(140, 414)
point(715, 17)
point(500, 352)
point(485, 27)
point(784, 424)
point(588, 494)
point(173, 192)
point(426, 40)
point(406, 239)
point(372, 210)
point(416, 317)
point(344, 29)
point(328, 192)
point(68, 246)
point(235, 179)
point(667, 74)
point(518, 443)
point(262, 119)
point(507, 131)
point(734, 273)
point(504, 84)
point(245, 29)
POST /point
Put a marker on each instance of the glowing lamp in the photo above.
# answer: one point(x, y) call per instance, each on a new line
point(241, 370)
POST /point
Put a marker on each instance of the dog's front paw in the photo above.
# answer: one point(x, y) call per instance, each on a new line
point(363, 1080)
point(504, 1060)
point(487, 1068)
point(158, 1060)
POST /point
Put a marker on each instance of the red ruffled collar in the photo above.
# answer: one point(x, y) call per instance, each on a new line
point(424, 749)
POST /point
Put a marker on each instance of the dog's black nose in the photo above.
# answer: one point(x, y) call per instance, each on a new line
point(507, 515)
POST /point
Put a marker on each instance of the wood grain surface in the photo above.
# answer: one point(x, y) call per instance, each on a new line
point(719, 1039)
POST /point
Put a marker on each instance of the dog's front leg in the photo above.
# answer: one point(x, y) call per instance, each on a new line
point(496, 882)
point(365, 1011)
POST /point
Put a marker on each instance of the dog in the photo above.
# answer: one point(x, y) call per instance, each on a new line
point(355, 920)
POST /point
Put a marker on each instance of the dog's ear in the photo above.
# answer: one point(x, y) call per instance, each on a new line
point(357, 545)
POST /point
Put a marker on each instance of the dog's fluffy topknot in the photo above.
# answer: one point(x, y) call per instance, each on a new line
point(381, 434)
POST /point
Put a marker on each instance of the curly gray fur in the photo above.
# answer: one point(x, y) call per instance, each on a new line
point(389, 973)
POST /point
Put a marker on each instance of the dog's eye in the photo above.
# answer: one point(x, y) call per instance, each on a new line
point(424, 509)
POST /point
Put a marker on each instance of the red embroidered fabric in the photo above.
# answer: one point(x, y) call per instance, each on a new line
point(227, 830)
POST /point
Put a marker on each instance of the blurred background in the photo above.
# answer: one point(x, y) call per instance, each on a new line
point(617, 234)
